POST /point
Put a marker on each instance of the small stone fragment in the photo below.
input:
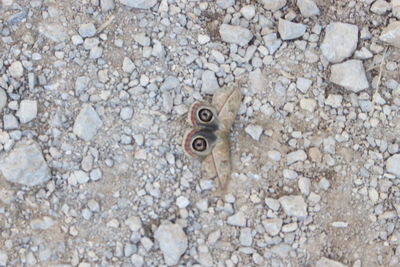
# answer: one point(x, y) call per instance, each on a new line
point(141, 4)
point(238, 219)
point(380, 7)
point(254, 131)
point(224, 4)
point(350, 74)
point(393, 165)
point(3, 99)
point(134, 223)
point(27, 111)
point(127, 65)
point(325, 262)
point(107, 5)
point(248, 12)
point(295, 156)
point(172, 241)
point(87, 30)
point(391, 34)
point(272, 226)
point(308, 8)
point(171, 82)
point(273, 5)
point(289, 30)
point(126, 113)
point(42, 224)
point(25, 165)
point(87, 123)
point(340, 41)
point(209, 83)
point(294, 206)
point(235, 34)
point(303, 84)
point(16, 69)
point(10, 122)
point(308, 104)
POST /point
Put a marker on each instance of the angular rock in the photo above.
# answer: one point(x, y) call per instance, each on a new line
point(395, 8)
point(237, 219)
point(350, 74)
point(27, 111)
point(272, 226)
point(10, 122)
point(273, 5)
point(340, 41)
point(393, 165)
point(173, 242)
point(3, 99)
point(254, 131)
point(87, 30)
point(295, 156)
point(272, 42)
point(81, 85)
point(294, 206)
point(42, 224)
point(127, 65)
point(308, 8)
point(303, 84)
point(25, 165)
point(87, 123)
point(16, 69)
point(107, 5)
point(235, 34)
point(391, 34)
point(171, 82)
point(325, 262)
point(54, 32)
point(209, 82)
point(256, 81)
point(224, 4)
point(142, 39)
point(380, 7)
point(289, 30)
point(248, 12)
point(141, 4)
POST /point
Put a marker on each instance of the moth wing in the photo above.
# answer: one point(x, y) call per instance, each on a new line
point(208, 170)
point(222, 162)
point(208, 136)
point(194, 119)
point(227, 103)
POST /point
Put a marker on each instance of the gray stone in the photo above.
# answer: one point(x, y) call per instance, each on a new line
point(142, 39)
point(142, 4)
point(54, 32)
point(248, 12)
point(16, 69)
point(325, 262)
point(395, 8)
point(81, 85)
point(87, 30)
point(25, 165)
point(224, 4)
point(289, 30)
point(127, 65)
point(272, 226)
point(237, 219)
point(235, 34)
point(380, 7)
point(78, 177)
point(273, 5)
point(350, 74)
point(254, 131)
point(272, 42)
point(340, 41)
point(246, 238)
point(334, 101)
point(171, 82)
point(294, 206)
point(27, 110)
point(126, 113)
point(95, 174)
point(304, 185)
point(391, 34)
point(134, 223)
point(3, 258)
point(96, 52)
point(87, 123)
point(295, 156)
point(3, 99)
point(107, 5)
point(257, 82)
point(42, 223)
point(10, 122)
point(173, 242)
point(209, 83)
point(393, 165)
point(303, 84)
point(137, 260)
point(17, 17)
point(308, 8)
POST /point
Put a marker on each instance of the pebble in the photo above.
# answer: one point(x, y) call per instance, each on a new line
point(16, 69)
point(256, 81)
point(3, 258)
point(340, 41)
point(107, 5)
point(325, 262)
point(209, 82)
point(238, 219)
point(303, 84)
point(224, 4)
point(87, 123)
point(272, 226)
point(295, 156)
point(273, 5)
point(182, 202)
point(25, 165)
point(380, 7)
point(53, 31)
point(350, 75)
point(42, 223)
point(235, 34)
point(141, 4)
point(308, 8)
point(245, 238)
point(95, 174)
point(173, 242)
point(87, 30)
point(254, 131)
point(127, 65)
point(334, 101)
point(10, 122)
point(304, 185)
point(142, 39)
point(27, 111)
point(248, 12)
point(137, 260)
point(203, 39)
point(171, 82)
point(308, 104)
point(272, 42)
point(272, 203)
point(324, 184)
point(391, 34)
point(274, 155)
point(294, 206)
point(289, 30)
point(395, 8)
point(126, 113)
point(393, 165)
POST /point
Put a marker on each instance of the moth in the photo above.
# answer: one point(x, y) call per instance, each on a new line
point(209, 139)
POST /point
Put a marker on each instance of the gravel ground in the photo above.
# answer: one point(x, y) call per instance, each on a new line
point(93, 103)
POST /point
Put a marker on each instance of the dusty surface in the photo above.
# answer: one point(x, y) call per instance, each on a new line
point(113, 185)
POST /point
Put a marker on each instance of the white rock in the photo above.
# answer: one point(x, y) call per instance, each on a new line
point(363, 53)
point(172, 241)
point(224, 4)
point(329, 145)
point(380, 7)
point(126, 113)
point(3, 258)
point(308, 8)
point(127, 65)
point(295, 156)
point(395, 8)
point(3, 99)
point(87, 123)
point(142, 4)
point(203, 39)
point(304, 185)
point(272, 226)
point(209, 83)
point(350, 74)
point(334, 101)
point(95, 174)
point(272, 203)
point(10, 122)
point(25, 165)
point(55, 32)
point(272, 42)
point(76, 40)
point(391, 34)
point(81, 85)
point(142, 39)
point(78, 177)
point(325, 262)
point(42, 223)
point(87, 30)
point(235, 34)
point(171, 82)
point(340, 41)
point(373, 195)
point(237, 219)
point(134, 223)
point(137, 260)
point(393, 165)
point(303, 84)
point(254, 131)
point(289, 174)
point(274, 155)
point(27, 111)
point(182, 202)
point(289, 30)
point(107, 5)
point(257, 81)
point(273, 5)
point(245, 238)
point(308, 104)
point(16, 69)
point(324, 184)
point(294, 206)
point(248, 12)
